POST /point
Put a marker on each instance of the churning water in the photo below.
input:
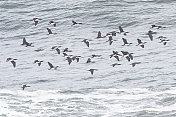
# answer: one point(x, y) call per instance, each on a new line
point(146, 90)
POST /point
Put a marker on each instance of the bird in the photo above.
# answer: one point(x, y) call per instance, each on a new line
point(69, 60)
point(122, 31)
point(54, 47)
point(52, 23)
point(115, 64)
point(75, 22)
point(58, 50)
point(38, 62)
point(150, 35)
point(99, 35)
point(125, 42)
point(67, 50)
point(26, 43)
point(124, 53)
point(140, 43)
point(113, 33)
point(92, 70)
point(76, 58)
point(128, 58)
point(88, 60)
point(65, 54)
point(95, 55)
point(12, 61)
point(36, 20)
point(117, 57)
point(51, 66)
point(158, 27)
point(24, 86)
point(49, 31)
point(86, 42)
point(134, 64)
point(110, 40)
point(164, 41)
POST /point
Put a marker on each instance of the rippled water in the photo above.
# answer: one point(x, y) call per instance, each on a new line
point(146, 90)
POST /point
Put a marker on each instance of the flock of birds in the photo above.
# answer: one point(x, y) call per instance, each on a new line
point(70, 58)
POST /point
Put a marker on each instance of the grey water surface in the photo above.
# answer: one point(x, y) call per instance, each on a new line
point(146, 90)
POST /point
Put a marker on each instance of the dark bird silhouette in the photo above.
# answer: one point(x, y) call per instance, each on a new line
point(158, 27)
point(95, 55)
point(36, 20)
point(75, 22)
point(150, 35)
point(54, 47)
point(51, 66)
point(117, 57)
point(52, 23)
point(88, 60)
point(134, 64)
point(49, 31)
point(110, 40)
point(65, 54)
point(69, 60)
point(12, 61)
point(92, 70)
point(113, 33)
point(115, 64)
point(140, 43)
point(122, 31)
point(86, 42)
point(58, 50)
point(125, 42)
point(24, 86)
point(128, 58)
point(38, 62)
point(26, 43)
point(125, 53)
point(99, 35)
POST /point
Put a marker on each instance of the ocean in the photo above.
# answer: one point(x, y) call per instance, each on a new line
point(146, 90)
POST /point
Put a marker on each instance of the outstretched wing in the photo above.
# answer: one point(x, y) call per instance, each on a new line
point(121, 30)
point(51, 66)
point(124, 41)
point(13, 63)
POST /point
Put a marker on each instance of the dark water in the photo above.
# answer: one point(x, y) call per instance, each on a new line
point(146, 90)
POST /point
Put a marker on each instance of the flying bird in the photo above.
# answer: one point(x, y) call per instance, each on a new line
point(24, 86)
point(134, 64)
point(115, 64)
point(51, 66)
point(92, 70)
point(36, 20)
point(125, 42)
point(86, 42)
point(52, 23)
point(75, 22)
point(49, 31)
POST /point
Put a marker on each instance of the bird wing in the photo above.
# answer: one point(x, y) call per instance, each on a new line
point(14, 63)
point(24, 41)
point(131, 57)
point(139, 41)
point(87, 43)
point(58, 51)
point(150, 36)
point(74, 22)
point(92, 71)
point(49, 31)
point(124, 41)
point(128, 58)
point(117, 57)
point(36, 22)
point(121, 30)
point(51, 66)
